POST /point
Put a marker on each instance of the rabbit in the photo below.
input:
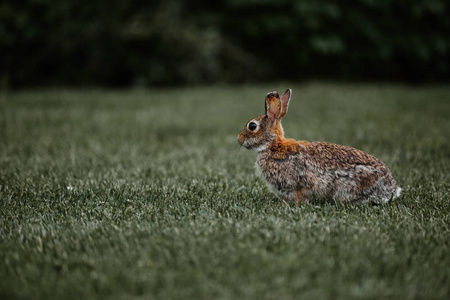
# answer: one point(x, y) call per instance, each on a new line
point(296, 171)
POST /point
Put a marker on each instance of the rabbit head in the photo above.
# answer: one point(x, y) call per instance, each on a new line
point(263, 131)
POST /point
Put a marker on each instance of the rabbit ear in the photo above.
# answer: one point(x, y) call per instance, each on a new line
point(277, 107)
point(273, 106)
point(285, 102)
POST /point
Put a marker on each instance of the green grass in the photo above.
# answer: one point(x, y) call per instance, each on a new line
point(147, 195)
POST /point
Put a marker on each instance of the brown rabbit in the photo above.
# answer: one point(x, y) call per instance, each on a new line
point(296, 170)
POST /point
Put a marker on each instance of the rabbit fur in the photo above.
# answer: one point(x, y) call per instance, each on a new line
point(298, 170)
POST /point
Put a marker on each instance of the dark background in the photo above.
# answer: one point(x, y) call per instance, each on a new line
point(173, 42)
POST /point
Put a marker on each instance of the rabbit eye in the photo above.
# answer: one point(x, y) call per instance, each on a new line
point(252, 126)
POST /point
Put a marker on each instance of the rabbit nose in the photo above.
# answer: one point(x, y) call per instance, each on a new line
point(241, 138)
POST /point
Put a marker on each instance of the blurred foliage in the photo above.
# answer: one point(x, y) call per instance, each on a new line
point(123, 43)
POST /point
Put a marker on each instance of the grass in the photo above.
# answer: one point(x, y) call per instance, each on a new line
point(147, 195)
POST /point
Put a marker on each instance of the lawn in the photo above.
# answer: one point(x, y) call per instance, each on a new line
point(146, 194)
